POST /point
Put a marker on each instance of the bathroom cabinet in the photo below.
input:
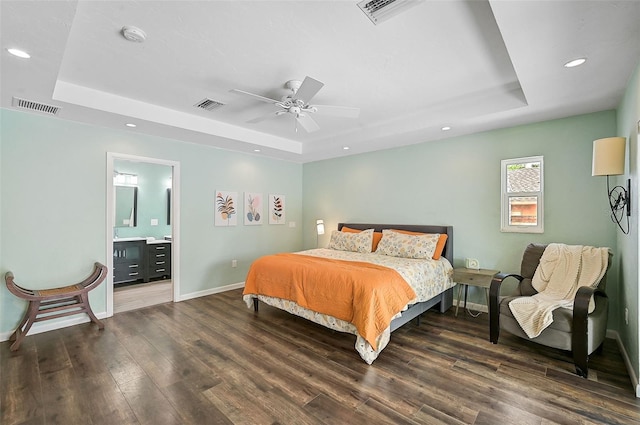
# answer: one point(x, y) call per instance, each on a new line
point(136, 261)
point(158, 260)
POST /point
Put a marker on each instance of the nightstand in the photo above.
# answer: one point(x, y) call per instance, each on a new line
point(480, 278)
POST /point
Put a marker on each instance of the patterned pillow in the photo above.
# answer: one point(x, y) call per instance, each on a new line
point(407, 246)
point(354, 242)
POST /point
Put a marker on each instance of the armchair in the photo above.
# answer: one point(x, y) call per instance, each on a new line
point(577, 331)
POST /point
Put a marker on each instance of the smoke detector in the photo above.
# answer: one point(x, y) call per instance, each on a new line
point(132, 33)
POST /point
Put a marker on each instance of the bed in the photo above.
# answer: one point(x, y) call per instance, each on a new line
point(304, 283)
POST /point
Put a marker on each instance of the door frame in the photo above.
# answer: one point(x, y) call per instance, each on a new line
point(175, 220)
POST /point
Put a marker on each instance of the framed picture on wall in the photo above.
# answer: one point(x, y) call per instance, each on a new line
point(226, 213)
point(277, 209)
point(253, 209)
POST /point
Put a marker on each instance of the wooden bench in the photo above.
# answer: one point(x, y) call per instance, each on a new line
point(46, 304)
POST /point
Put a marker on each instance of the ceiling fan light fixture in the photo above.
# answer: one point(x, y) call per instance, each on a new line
point(297, 105)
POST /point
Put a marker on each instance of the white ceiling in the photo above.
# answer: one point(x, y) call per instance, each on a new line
point(471, 65)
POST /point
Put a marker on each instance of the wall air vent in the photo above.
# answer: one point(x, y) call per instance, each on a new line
point(208, 104)
point(34, 106)
point(382, 10)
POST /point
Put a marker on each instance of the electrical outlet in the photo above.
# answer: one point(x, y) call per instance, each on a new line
point(234, 263)
point(626, 316)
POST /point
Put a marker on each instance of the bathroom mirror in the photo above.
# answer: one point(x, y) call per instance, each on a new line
point(126, 206)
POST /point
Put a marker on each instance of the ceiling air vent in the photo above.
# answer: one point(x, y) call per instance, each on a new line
point(381, 10)
point(208, 104)
point(35, 106)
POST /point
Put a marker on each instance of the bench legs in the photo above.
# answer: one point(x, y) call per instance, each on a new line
point(68, 306)
point(24, 326)
point(47, 304)
point(84, 297)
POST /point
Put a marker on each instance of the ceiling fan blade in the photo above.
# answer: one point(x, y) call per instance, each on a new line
point(307, 123)
point(255, 96)
point(337, 111)
point(308, 89)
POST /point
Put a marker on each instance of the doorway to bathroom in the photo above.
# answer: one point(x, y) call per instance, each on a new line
point(142, 232)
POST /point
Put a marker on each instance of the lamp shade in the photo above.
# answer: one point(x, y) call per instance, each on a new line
point(608, 156)
point(320, 227)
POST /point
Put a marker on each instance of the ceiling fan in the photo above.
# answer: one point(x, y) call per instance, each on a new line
point(297, 104)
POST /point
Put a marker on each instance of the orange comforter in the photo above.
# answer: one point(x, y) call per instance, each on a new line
point(364, 294)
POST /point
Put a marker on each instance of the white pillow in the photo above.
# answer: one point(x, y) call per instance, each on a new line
point(354, 242)
point(407, 246)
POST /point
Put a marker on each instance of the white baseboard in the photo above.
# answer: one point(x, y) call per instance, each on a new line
point(211, 291)
point(610, 334)
point(50, 326)
point(473, 307)
point(627, 362)
point(40, 327)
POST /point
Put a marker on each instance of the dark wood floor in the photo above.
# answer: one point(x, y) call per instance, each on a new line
point(212, 361)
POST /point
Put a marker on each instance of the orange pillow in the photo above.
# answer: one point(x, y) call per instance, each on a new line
point(439, 246)
point(376, 236)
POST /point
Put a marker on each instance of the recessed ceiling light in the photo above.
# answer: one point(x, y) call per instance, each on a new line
point(256, 150)
point(446, 128)
point(19, 53)
point(346, 148)
point(130, 124)
point(575, 62)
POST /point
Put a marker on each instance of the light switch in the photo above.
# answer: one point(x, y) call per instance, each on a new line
point(154, 221)
point(292, 224)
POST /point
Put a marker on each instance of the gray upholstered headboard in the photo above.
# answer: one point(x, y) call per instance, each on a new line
point(448, 248)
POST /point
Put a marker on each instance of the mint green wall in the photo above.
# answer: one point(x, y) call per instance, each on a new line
point(53, 200)
point(457, 182)
point(153, 180)
point(628, 126)
point(53, 211)
point(3, 294)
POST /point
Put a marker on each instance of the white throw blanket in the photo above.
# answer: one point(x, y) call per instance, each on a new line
point(563, 269)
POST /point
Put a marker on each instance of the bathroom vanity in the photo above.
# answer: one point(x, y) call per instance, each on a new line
point(138, 260)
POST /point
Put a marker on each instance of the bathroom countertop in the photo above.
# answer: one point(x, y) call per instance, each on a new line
point(150, 240)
